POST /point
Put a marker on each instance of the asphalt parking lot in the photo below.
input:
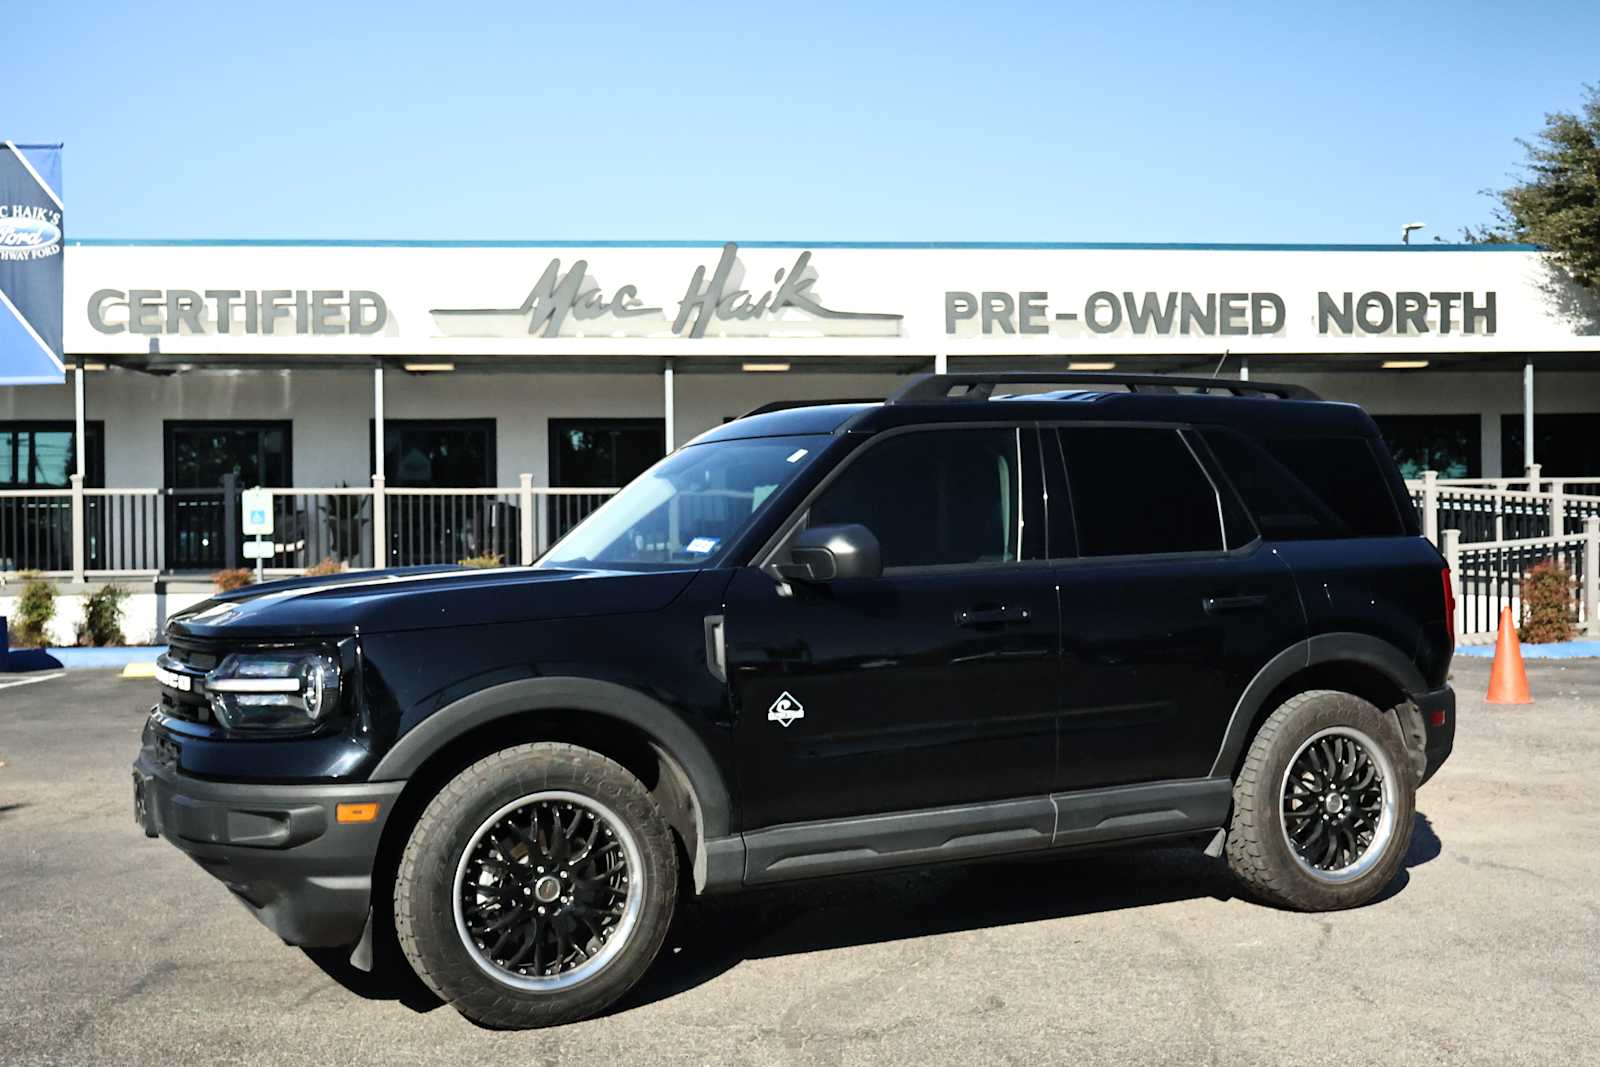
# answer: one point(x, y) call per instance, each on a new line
point(115, 949)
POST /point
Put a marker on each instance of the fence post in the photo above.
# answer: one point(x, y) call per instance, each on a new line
point(1430, 505)
point(1500, 510)
point(162, 498)
point(525, 503)
point(380, 524)
point(230, 520)
point(78, 552)
point(1591, 575)
point(1532, 473)
point(1451, 548)
point(1558, 508)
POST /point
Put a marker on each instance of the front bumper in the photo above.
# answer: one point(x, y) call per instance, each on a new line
point(1438, 710)
point(279, 848)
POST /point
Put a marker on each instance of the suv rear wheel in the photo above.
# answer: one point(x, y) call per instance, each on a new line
point(536, 887)
point(1324, 805)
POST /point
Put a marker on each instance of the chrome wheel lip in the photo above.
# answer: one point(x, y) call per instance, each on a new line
point(1388, 811)
point(620, 932)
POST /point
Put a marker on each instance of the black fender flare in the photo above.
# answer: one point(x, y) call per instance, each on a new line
point(1369, 651)
point(673, 739)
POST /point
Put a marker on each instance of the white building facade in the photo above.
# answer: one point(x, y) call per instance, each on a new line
point(496, 372)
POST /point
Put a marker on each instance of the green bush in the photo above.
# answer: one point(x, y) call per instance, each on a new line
point(36, 606)
point(102, 617)
point(1549, 604)
point(485, 561)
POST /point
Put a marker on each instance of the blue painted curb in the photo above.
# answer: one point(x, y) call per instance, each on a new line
point(1554, 650)
point(48, 659)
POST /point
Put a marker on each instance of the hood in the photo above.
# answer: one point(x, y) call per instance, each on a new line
point(420, 598)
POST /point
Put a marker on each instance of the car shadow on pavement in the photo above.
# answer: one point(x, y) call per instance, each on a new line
point(712, 935)
point(1425, 847)
point(391, 977)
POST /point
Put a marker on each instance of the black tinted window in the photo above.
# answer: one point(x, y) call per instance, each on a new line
point(1138, 491)
point(933, 497)
point(1301, 488)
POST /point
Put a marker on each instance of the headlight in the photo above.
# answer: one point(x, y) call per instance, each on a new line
point(274, 691)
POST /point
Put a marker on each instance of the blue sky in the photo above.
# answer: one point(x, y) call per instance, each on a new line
point(763, 121)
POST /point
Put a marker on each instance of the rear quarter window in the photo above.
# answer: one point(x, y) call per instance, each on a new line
point(1309, 487)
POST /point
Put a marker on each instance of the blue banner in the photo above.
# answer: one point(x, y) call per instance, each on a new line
point(31, 280)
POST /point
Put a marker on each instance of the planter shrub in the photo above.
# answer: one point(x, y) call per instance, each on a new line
point(36, 606)
point(328, 566)
point(484, 562)
point(1549, 604)
point(102, 617)
point(238, 578)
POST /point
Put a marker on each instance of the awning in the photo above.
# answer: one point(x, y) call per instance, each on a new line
point(31, 243)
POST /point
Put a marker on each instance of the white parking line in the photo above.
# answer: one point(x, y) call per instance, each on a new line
point(30, 681)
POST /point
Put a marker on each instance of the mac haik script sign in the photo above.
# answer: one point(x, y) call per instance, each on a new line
point(719, 302)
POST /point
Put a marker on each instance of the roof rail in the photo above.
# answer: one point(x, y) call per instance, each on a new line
point(785, 405)
point(936, 388)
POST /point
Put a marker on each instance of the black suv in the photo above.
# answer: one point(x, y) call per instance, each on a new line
point(827, 639)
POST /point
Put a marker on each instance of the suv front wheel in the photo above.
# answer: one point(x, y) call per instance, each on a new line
point(537, 887)
point(1324, 805)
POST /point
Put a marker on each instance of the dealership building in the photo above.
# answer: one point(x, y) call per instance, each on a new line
point(339, 367)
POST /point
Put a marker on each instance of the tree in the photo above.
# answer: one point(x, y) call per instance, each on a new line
point(1558, 204)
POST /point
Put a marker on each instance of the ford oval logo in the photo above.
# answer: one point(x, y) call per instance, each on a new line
point(28, 233)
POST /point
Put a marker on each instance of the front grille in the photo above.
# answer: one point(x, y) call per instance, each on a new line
point(191, 706)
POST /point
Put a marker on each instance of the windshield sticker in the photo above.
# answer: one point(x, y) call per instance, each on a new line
point(797, 455)
point(701, 546)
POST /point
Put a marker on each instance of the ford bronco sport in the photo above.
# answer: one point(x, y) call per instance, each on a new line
point(826, 639)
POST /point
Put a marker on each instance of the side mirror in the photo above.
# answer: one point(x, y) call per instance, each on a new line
point(828, 553)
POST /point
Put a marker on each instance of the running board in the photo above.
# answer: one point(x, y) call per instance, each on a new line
point(972, 831)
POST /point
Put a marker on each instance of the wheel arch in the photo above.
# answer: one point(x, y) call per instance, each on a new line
point(637, 731)
point(1367, 666)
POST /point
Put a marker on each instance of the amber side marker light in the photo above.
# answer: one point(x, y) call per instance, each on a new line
point(356, 812)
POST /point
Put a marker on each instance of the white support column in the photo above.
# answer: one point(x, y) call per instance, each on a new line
point(1451, 550)
point(1527, 414)
point(80, 448)
point(380, 509)
point(1244, 368)
point(941, 363)
point(667, 404)
point(1591, 575)
point(1430, 505)
point(525, 503)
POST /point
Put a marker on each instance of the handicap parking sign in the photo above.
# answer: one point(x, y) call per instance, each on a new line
point(257, 507)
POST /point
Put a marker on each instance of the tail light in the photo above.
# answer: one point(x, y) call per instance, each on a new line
point(1449, 609)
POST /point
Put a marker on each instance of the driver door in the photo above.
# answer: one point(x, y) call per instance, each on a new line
point(930, 685)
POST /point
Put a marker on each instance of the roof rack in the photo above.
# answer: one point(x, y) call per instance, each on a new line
point(936, 388)
point(785, 405)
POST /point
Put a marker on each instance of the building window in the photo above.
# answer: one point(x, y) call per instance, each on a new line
point(1564, 446)
point(1449, 444)
point(201, 454)
point(445, 453)
point(604, 452)
point(41, 455)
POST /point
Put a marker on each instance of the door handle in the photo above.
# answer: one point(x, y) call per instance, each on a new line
point(991, 616)
point(1216, 604)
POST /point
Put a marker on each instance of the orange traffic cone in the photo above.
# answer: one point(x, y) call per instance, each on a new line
point(1508, 680)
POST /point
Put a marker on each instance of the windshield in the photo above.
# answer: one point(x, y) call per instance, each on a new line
point(685, 509)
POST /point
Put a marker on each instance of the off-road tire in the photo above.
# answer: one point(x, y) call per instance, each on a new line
point(1258, 851)
point(424, 889)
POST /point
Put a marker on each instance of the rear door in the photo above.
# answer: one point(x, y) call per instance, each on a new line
point(1170, 603)
point(929, 686)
